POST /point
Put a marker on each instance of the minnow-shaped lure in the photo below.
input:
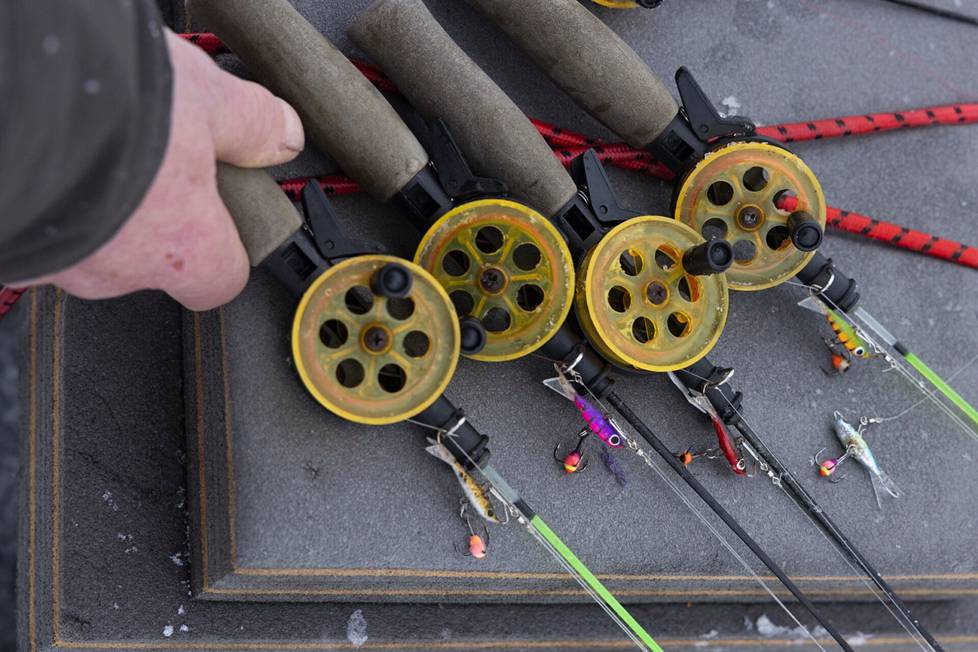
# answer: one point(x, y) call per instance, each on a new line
point(725, 442)
point(856, 447)
point(474, 492)
point(846, 336)
point(596, 421)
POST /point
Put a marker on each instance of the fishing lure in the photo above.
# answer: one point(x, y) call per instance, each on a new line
point(847, 344)
point(596, 420)
point(574, 461)
point(857, 448)
point(474, 492)
point(478, 545)
point(726, 444)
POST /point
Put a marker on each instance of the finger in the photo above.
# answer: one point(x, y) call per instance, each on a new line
point(250, 126)
point(214, 270)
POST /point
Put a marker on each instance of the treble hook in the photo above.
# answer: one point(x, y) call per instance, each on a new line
point(841, 359)
point(478, 545)
point(574, 461)
point(828, 467)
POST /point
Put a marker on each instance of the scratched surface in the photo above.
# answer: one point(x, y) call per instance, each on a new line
point(313, 491)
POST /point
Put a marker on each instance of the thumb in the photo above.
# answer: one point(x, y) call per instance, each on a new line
point(250, 126)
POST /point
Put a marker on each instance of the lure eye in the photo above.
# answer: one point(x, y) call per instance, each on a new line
point(860, 351)
point(614, 440)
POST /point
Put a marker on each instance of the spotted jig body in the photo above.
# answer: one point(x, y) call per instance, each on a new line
point(847, 344)
point(473, 490)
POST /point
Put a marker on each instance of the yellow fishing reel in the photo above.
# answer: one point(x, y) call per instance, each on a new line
point(375, 339)
point(651, 294)
point(765, 201)
point(506, 265)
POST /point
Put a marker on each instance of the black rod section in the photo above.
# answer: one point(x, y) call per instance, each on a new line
point(660, 448)
point(725, 400)
point(798, 493)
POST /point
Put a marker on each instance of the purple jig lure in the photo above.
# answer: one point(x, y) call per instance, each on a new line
point(596, 421)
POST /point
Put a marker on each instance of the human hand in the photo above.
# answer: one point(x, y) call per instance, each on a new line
point(181, 238)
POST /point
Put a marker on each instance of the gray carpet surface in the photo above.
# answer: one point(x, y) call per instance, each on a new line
point(774, 60)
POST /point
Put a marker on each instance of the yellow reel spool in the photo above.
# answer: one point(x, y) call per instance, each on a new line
point(507, 265)
point(637, 304)
point(369, 358)
point(732, 194)
point(617, 4)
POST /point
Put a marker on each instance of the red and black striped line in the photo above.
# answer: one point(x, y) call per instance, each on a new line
point(8, 297)
point(896, 235)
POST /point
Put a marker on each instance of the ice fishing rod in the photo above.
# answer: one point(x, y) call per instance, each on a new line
point(705, 379)
point(292, 250)
point(349, 119)
point(732, 183)
point(403, 37)
point(818, 272)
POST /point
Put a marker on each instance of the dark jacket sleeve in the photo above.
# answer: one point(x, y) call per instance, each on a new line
point(85, 91)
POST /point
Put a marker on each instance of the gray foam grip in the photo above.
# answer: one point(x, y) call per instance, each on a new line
point(262, 212)
point(440, 80)
point(343, 113)
point(589, 62)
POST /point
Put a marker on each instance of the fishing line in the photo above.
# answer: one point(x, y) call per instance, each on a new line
point(883, 593)
point(929, 395)
point(897, 365)
point(540, 531)
point(634, 447)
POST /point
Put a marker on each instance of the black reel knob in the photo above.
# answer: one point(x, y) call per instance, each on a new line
point(392, 281)
point(805, 231)
point(710, 257)
point(474, 335)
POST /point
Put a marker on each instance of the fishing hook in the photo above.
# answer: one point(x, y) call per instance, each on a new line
point(574, 461)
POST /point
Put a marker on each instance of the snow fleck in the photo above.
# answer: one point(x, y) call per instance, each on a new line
point(177, 558)
point(818, 392)
point(51, 44)
point(748, 624)
point(124, 537)
point(768, 629)
point(710, 634)
point(184, 629)
point(731, 104)
point(92, 86)
point(168, 631)
point(356, 629)
point(115, 605)
point(181, 610)
point(131, 549)
point(109, 500)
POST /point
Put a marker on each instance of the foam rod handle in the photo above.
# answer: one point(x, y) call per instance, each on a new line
point(440, 80)
point(263, 214)
point(589, 62)
point(343, 113)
